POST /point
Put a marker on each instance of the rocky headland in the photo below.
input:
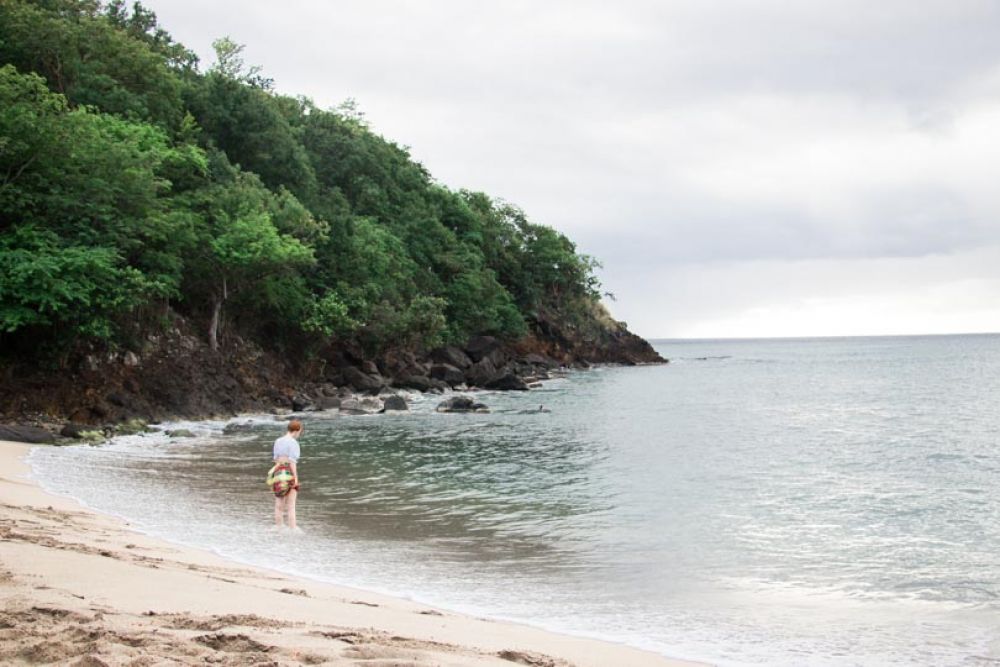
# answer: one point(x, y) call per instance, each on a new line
point(175, 374)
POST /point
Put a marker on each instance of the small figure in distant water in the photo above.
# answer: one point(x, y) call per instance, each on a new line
point(283, 478)
point(542, 408)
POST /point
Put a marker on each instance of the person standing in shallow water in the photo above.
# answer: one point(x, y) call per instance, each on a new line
point(286, 458)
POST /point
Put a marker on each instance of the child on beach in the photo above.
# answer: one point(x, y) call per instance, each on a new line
point(284, 476)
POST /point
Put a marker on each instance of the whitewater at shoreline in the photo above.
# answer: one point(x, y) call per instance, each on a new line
point(76, 583)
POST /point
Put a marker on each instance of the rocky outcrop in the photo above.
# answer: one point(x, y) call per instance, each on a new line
point(395, 403)
point(603, 340)
point(461, 404)
point(74, 430)
point(481, 373)
point(29, 434)
point(174, 374)
point(356, 378)
point(452, 356)
point(327, 402)
point(450, 375)
point(301, 403)
point(509, 381)
point(352, 406)
point(365, 405)
point(236, 428)
point(420, 383)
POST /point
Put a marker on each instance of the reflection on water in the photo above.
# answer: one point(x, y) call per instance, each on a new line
point(753, 502)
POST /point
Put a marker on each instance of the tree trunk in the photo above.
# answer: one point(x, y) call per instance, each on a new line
point(213, 327)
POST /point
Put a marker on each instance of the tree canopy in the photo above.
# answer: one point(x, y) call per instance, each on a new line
point(132, 180)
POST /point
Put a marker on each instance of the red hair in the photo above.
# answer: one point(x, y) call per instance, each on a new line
point(294, 426)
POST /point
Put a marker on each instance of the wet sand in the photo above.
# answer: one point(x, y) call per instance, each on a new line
point(82, 588)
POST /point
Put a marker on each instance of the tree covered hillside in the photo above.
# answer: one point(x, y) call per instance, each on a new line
point(137, 185)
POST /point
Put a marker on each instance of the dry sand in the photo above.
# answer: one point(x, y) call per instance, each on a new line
point(81, 588)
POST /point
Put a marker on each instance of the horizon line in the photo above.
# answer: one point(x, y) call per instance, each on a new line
point(818, 337)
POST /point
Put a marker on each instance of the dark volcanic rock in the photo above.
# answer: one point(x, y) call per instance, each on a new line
point(371, 404)
point(352, 406)
point(508, 381)
point(362, 381)
point(235, 427)
point(418, 382)
point(395, 403)
point(539, 360)
point(452, 356)
point(301, 403)
point(481, 346)
point(327, 402)
point(448, 374)
point(461, 404)
point(482, 373)
point(179, 376)
point(30, 434)
point(74, 429)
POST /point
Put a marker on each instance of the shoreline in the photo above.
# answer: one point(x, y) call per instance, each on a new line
point(84, 586)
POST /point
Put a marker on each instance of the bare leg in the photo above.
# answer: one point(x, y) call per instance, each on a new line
point(278, 510)
point(290, 504)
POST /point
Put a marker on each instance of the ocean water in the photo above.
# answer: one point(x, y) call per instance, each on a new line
point(758, 502)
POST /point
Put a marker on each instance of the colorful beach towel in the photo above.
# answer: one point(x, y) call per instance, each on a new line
point(279, 478)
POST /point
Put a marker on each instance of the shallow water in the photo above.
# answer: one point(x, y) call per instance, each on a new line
point(821, 502)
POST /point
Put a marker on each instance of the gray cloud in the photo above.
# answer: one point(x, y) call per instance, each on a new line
point(666, 137)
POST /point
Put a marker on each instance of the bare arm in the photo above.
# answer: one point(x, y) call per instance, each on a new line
point(295, 472)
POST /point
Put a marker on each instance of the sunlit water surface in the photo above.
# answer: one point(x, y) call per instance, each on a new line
point(785, 502)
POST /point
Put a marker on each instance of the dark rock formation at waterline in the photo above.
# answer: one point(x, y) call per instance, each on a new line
point(175, 374)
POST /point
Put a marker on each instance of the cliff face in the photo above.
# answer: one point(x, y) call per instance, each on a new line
point(600, 340)
point(176, 374)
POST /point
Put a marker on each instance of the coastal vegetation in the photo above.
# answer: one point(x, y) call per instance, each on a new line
point(137, 185)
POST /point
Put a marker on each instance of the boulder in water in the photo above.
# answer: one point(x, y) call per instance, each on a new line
point(301, 403)
point(461, 404)
point(327, 402)
point(235, 427)
point(371, 404)
point(132, 426)
point(508, 382)
point(395, 403)
point(352, 406)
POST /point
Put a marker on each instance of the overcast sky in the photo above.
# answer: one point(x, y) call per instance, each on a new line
point(741, 168)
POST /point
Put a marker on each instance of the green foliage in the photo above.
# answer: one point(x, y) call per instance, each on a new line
point(93, 179)
point(47, 285)
point(129, 179)
point(230, 64)
point(247, 124)
point(92, 60)
point(328, 316)
point(237, 249)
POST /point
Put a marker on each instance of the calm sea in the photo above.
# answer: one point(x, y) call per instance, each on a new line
point(779, 502)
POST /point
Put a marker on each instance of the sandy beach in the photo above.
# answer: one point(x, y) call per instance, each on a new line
point(81, 588)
